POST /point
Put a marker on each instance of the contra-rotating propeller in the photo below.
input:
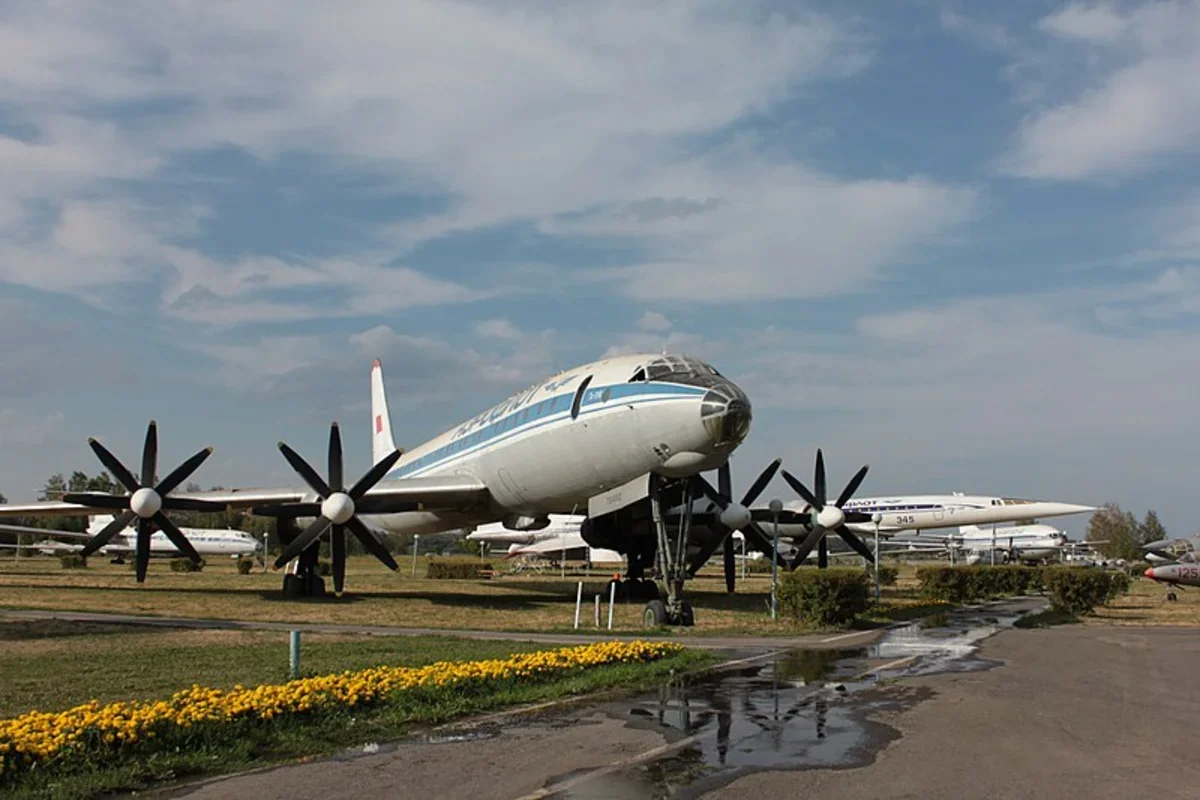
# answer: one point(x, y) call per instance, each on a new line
point(734, 516)
point(145, 502)
point(336, 508)
point(825, 517)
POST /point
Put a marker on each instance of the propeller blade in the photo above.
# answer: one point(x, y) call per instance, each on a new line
point(110, 530)
point(852, 486)
point(857, 543)
point(142, 556)
point(123, 475)
point(291, 510)
point(800, 489)
point(753, 531)
point(191, 504)
point(297, 545)
point(335, 458)
point(819, 480)
point(371, 543)
point(374, 475)
point(310, 475)
point(761, 482)
point(181, 473)
point(176, 536)
point(338, 553)
point(806, 547)
point(725, 480)
point(97, 500)
point(150, 454)
point(730, 565)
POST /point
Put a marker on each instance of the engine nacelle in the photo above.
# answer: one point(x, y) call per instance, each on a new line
point(517, 522)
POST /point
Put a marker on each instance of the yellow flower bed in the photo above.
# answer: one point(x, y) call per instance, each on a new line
point(38, 736)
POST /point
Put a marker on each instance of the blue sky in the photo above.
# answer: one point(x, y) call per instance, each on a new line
point(957, 241)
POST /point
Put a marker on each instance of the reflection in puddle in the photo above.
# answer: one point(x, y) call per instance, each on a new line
point(804, 709)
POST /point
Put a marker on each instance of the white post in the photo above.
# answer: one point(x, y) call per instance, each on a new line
point(597, 609)
point(416, 543)
point(578, 601)
point(612, 597)
point(776, 505)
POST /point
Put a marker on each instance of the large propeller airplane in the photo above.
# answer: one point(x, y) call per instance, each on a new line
point(624, 437)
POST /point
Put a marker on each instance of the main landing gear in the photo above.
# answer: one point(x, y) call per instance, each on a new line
point(672, 558)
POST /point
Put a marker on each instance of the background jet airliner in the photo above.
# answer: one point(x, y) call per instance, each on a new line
point(548, 449)
point(205, 541)
point(807, 521)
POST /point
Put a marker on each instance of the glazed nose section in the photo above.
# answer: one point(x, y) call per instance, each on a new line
point(725, 412)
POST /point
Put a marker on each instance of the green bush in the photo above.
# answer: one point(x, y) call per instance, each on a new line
point(72, 561)
point(456, 569)
point(244, 565)
point(186, 565)
point(825, 597)
point(974, 583)
point(1078, 590)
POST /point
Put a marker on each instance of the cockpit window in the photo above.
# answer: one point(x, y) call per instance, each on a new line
point(681, 369)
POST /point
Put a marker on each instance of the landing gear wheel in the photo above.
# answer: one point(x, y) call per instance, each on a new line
point(654, 615)
point(687, 617)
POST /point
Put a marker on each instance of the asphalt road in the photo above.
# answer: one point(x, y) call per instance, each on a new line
point(1071, 712)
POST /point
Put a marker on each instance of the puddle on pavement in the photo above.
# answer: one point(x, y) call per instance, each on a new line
point(803, 709)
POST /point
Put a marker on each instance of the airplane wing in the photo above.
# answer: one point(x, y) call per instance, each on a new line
point(45, 532)
point(406, 494)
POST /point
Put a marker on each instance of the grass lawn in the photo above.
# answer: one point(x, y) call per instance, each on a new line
point(375, 596)
point(52, 666)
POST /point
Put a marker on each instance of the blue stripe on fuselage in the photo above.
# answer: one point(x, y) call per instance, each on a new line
point(541, 413)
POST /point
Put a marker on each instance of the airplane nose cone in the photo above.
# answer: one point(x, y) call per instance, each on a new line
point(725, 411)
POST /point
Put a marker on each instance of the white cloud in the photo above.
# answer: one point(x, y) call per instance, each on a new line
point(1088, 22)
point(515, 113)
point(653, 322)
point(1140, 103)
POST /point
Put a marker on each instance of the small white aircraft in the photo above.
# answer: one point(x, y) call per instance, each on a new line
point(1008, 544)
point(205, 541)
point(617, 437)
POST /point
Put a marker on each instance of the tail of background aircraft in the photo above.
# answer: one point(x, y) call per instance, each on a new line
point(98, 523)
point(381, 421)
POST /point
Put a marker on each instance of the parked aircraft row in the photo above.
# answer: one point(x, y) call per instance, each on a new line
point(626, 439)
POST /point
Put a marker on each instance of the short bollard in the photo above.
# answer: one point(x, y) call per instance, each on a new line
point(294, 654)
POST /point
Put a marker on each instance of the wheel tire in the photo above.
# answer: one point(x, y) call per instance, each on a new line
point(654, 615)
point(687, 617)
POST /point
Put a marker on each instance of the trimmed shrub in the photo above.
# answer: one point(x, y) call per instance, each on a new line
point(456, 569)
point(72, 561)
point(244, 565)
point(825, 597)
point(186, 565)
point(974, 583)
point(1078, 590)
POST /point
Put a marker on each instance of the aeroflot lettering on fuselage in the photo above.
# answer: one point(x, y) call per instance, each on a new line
point(513, 403)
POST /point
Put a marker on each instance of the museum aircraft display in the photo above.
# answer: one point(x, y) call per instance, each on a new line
point(624, 435)
point(205, 541)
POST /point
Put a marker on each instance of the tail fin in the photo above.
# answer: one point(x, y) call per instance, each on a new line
point(98, 523)
point(381, 421)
